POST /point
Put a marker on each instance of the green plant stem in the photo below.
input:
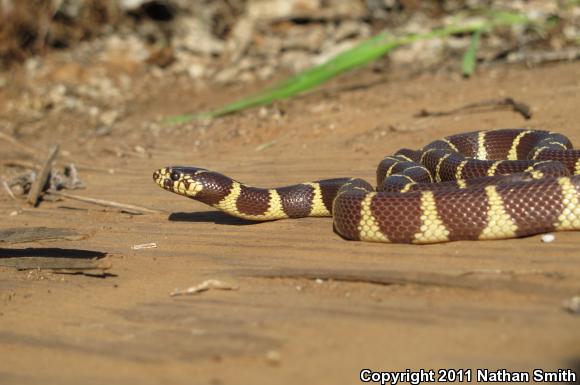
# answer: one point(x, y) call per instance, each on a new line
point(470, 57)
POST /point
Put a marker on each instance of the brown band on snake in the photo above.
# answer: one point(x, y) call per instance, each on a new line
point(329, 189)
point(348, 210)
point(528, 220)
point(463, 226)
point(216, 187)
point(296, 200)
point(398, 219)
point(253, 201)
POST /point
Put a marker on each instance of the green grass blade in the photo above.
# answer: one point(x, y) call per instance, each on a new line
point(470, 56)
point(357, 56)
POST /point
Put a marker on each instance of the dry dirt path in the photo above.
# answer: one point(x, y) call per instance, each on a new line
point(311, 307)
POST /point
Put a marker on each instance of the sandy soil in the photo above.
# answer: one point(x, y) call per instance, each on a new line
point(311, 307)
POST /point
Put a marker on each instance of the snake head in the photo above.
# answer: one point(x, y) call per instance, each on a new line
point(193, 182)
point(180, 180)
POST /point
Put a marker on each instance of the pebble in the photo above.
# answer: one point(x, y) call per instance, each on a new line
point(273, 357)
point(196, 70)
point(572, 305)
point(548, 238)
point(108, 118)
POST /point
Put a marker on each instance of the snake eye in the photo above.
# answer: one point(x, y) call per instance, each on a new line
point(175, 176)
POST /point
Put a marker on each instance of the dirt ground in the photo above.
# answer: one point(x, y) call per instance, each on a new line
point(311, 308)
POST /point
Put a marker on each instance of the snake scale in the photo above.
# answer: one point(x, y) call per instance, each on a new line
point(495, 184)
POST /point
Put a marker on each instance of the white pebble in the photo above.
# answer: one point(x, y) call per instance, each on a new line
point(547, 238)
point(573, 305)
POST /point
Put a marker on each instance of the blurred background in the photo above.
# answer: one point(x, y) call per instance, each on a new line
point(95, 58)
point(245, 40)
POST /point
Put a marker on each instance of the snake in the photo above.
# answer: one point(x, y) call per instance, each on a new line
point(480, 185)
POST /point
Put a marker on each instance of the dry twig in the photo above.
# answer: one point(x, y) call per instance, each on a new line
point(204, 286)
point(521, 108)
point(7, 188)
point(39, 183)
point(539, 57)
point(131, 209)
point(151, 245)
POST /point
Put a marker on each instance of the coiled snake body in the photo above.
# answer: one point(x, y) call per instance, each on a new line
point(480, 185)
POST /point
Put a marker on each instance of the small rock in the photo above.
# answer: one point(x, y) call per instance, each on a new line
point(572, 305)
point(108, 118)
point(94, 111)
point(240, 39)
point(548, 238)
point(273, 357)
point(308, 38)
point(227, 75)
point(131, 5)
point(281, 9)
point(296, 60)
point(103, 130)
point(265, 72)
point(348, 29)
point(194, 36)
point(196, 70)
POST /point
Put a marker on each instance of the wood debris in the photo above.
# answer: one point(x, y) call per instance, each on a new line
point(35, 234)
point(492, 104)
point(56, 259)
point(65, 265)
point(142, 246)
point(539, 57)
point(128, 208)
point(39, 183)
point(205, 286)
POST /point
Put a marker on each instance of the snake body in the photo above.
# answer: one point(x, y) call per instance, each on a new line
point(495, 184)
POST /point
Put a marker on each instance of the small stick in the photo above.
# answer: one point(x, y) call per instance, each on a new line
point(205, 286)
point(142, 246)
point(538, 57)
point(521, 108)
point(40, 182)
point(8, 190)
point(131, 209)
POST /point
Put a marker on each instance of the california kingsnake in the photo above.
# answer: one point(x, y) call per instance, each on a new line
point(480, 185)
